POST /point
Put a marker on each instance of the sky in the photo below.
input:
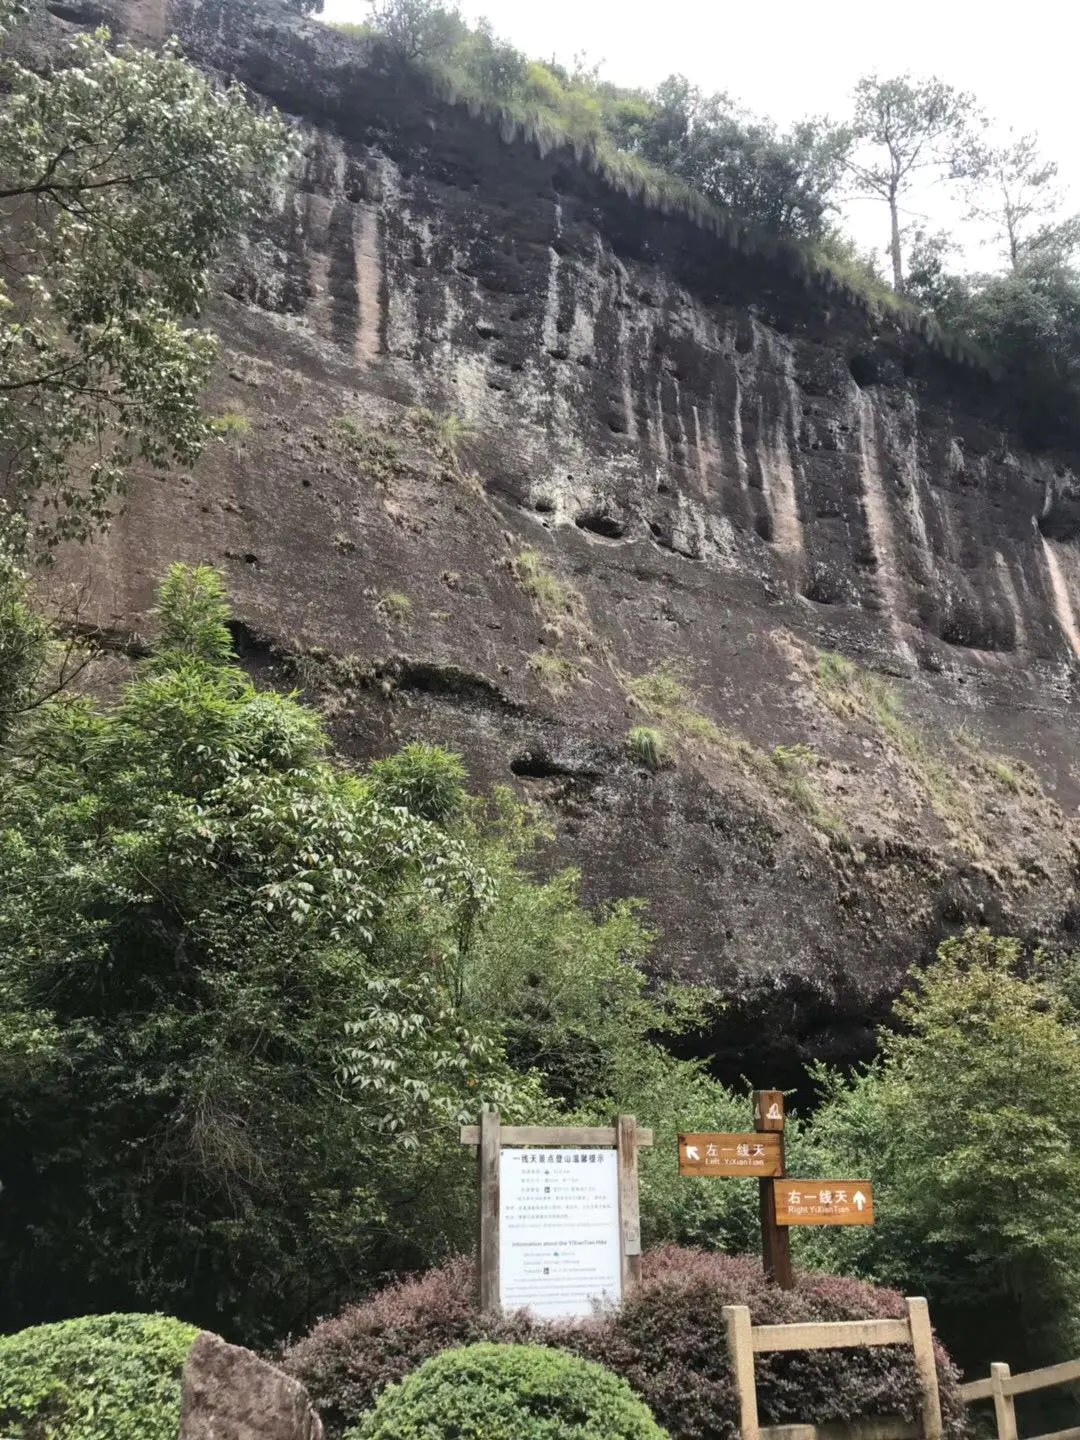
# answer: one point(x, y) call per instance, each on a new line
point(787, 58)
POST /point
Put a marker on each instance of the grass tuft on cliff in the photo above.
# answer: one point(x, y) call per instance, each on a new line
point(787, 772)
point(647, 746)
point(964, 789)
point(552, 596)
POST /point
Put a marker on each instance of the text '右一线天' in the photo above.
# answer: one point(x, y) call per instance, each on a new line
point(824, 1202)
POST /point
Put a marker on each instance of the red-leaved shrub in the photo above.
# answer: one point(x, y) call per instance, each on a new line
point(667, 1340)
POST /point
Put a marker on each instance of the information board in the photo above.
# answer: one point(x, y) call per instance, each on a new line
point(559, 1231)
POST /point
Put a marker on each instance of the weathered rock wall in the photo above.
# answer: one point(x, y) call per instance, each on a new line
point(451, 349)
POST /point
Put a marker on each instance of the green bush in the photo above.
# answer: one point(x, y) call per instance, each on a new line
point(667, 1341)
point(101, 1375)
point(509, 1392)
point(425, 779)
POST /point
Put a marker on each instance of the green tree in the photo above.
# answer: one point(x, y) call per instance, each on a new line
point(24, 646)
point(782, 182)
point(902, 131)
point(217, 1062)
point(246, 997)
point(569, 993)
point(495, 67)
point(425, 779)
point(418, 29)
point(1029, 321)
point(969, 1128)
point(931, 283)
point(1014, 190)
point(122, 175)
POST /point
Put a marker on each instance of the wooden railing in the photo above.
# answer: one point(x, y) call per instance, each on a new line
point(1003, 1386)
point(746, 1340)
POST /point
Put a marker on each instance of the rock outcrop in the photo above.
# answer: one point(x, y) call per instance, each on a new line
point(230, 1394)
point(523, 464)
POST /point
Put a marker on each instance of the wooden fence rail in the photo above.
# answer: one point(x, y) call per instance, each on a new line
point(1003, 1386)
point(746, 1340)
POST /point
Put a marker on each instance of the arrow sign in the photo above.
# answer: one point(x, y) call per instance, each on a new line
point(754, 1155)
point(824, 1202)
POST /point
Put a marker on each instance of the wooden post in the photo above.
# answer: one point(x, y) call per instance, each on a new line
point(922, 1342)
point(626, 1145)
point(488, 1248)
point(775, 1239)
point(740, 1345)
point(1004, 1404)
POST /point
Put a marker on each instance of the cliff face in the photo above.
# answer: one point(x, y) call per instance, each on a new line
point(527, 464)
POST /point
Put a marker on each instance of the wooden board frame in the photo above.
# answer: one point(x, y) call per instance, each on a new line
point(490, 1137)
point(1003, 1386)
point(745, 1340)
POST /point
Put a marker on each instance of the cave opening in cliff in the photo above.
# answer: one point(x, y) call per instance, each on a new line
point(865, 370)
point(601, 523)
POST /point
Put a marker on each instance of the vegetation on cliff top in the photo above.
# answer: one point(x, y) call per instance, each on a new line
point(776, 192)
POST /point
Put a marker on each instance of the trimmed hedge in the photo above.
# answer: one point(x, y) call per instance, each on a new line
point(667, 1340)
point(98, 1376)
point(509, 1392)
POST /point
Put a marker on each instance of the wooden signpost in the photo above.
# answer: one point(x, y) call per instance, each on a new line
point(559, 1225)
point(775, 1241)
point(783, 1202)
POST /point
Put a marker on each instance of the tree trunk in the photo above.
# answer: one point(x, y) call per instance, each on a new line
point(894, 246)
point(1014, 239)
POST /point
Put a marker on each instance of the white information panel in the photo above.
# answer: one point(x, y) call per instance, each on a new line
point(559, 1235)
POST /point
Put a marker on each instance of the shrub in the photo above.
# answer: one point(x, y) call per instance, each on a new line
point(231, 422)
point(442, 433)
point(836, 671)
point(667, 1341)
point(554, 671)
point(395, 608)
point(100, 1375)
point(377, 453)
point(665, 693)
point(551, 595)
point(646, 746)
point(426, 779)
point(510, 1392)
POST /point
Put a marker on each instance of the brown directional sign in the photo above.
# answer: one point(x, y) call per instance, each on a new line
point(722, 1154)
point(824, 1202)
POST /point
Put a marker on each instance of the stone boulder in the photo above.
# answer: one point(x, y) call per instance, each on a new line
point(230, 1394)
